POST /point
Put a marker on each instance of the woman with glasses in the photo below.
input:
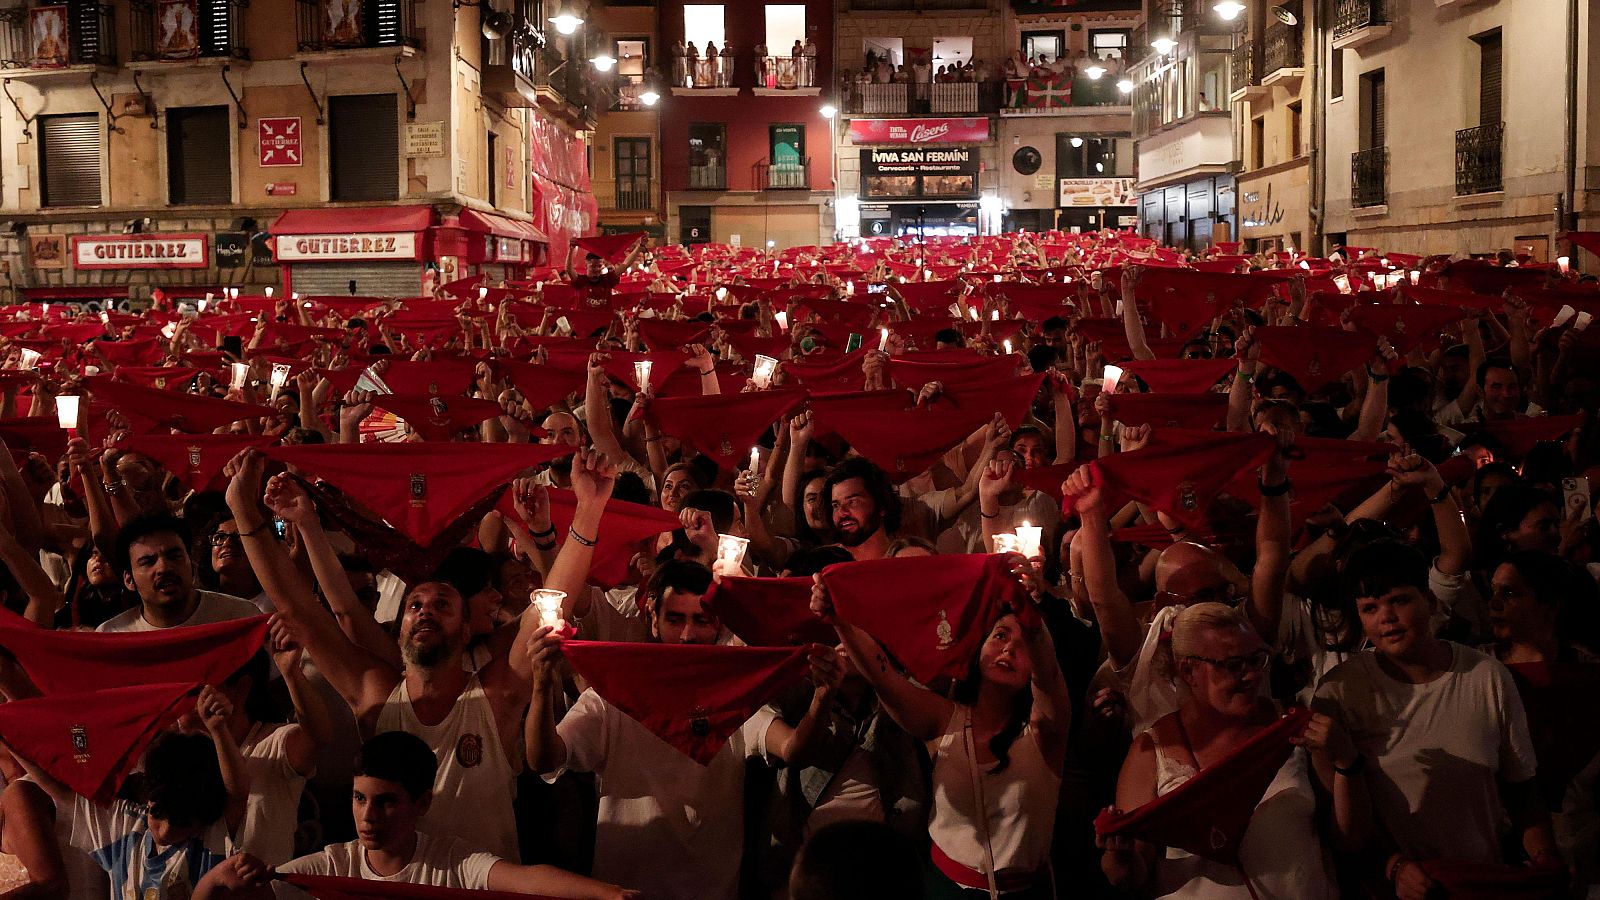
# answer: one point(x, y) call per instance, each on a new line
point(1220, 663)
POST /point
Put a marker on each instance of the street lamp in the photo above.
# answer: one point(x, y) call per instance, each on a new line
point(1228, 9)
point(651, 94)
point(1162, 45)
point(566, 20)
point(828, 111)
point(1095, 71)
point(603, 61)
point(1125, 86)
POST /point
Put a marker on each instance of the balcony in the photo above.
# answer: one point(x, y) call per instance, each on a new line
point(914, 5)
point(562, 88)
point(55, 39)
point(703, 75)
point(1284, 60)
point(787, 176)
point(627, 97)
point(626, 195)
point(1246, 72)
point(921, 98)
point(337, 29)
point(218, 34)
point(510, 67)
point(786, 75)
point(708, 176)
point(1369, 177)
point(1478, 159)
point(1357, 22)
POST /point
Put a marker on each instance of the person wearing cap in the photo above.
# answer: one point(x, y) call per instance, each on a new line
point(470, 719)
point(667, 824)
point(153, 555)
point(597, 282)
point(391, 794)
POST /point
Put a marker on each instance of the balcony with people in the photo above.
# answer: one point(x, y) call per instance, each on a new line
point(1066, 85)
point(933, 87)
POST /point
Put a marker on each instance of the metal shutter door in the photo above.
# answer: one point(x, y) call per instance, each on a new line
point(373, 279)
point(69, 154)
point(199, 155)
point(364, 136)
point(1489, 80)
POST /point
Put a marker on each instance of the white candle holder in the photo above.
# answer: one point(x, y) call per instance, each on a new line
point(548, 602)
point(1028, 537)
point(241, 371)
point(730, 551)
point(641, 373)
point(67, 411)
point(1005, 542)
point(766, 367)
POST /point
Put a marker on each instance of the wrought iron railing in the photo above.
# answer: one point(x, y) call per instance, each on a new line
point(786, 72)
point(1282, 48)
point(703, 71)
point(708, 177)
point(322, 25)
point(1478, 159)
point(88, 36)
point(1369, 177)
point(1351, 16)
point(636, 195)
point(1244, 69)
point(784, 176)
point(219, 26)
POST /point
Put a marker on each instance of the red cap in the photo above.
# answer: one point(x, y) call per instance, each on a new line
point(769, 612)
point(91, 741)
point(692, 696)
point(418, 488)
point(931, 613)
point(1208, 814)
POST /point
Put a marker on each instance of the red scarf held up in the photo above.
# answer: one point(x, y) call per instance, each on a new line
point(769, 612)
point(196, 460)
point(1315, 355)
point(613, 248)
point(1407, 326)
point(1519, 435)
point(34, 434)
point(90, 741)
point(447, 377)
point(151, 409)
point(723, 426)
point(1197, 411)
point(439, 418)
point(71, 662)
point(693, 697)
point(912, 371)
point(131, 353)
point(1558, 698)
point(1180, 376)
point(932, 613)
point(167, 378)
point(1180, 471)
point(624, 529)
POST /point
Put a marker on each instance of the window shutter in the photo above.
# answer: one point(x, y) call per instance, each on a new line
point(69, 153)
point(1489, 80)
point(364, 141)
point(199, 155)
point(216, 27)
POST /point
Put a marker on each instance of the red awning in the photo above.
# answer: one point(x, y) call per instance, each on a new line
point(501, 226)
point(365, 219)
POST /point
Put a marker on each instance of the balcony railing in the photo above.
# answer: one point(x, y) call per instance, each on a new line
point(1369, 177)
point(85, 36)
point(921, 98)
point(1478, 159)
point(786, 72)
point(1245, 71)
point(708, 177)
point(916, 5)
point(627, 96)
point(219, 31)
point(322, 25)
point(785, 176)
point(1350, 16)
point(703, 71)
point(1282, 49)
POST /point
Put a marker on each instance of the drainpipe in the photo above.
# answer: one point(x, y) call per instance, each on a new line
point(1317, 176)
point(1569, 218)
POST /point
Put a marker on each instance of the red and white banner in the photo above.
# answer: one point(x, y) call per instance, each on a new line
point(374, 245)
point(919, 131)
point(142, 251)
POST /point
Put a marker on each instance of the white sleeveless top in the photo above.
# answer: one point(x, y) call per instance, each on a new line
point(1019, 802)
point(272, 813)
point(1280, 850)
point(476, 783)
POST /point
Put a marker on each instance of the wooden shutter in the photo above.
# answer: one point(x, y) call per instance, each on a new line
point(1489, 79)
point(1380, 104)
point(69, 160)
point(199, 155)
point(216, 27)
point(364, 141)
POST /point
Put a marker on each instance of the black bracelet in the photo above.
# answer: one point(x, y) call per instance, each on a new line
point(984, 515)
point(544, 545)
point(1376, 378)
point(548, 532)
point(256, 530)
point(1354, 768)
point(1442, 496)
point(1274, 490)
point(581, 539)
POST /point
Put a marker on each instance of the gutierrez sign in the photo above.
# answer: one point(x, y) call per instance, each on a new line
point(376, 245)
point(141, 251)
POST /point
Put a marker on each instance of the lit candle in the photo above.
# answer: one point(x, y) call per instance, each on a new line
point(1028, 539)
point(850, 288)
point(241, 371)
point(105, 318)
point(1415, 276)
point(755, 459)
point(67, 411)
point(483, 293)
point(269, 292)
point(30, 358)
point(1342, 282)
point(204, 302)
point(548, 602)
point(1113, 375)
point(1005, 542)
point(44, 311)
point(766, 366)
point(1007, 344)
point(782, 318)
point(722, 294)
point(730, 551)
point(994, 315)
point(883, 339)
point(168, 330)
point(1565, 262)
point(233, 293)
point(295, 295)
point(280, 374)
point(641, 373)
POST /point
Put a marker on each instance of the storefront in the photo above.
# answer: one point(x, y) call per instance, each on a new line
point(380, 251)
point(1273, 210)
point(1193, 215)
point(1089, 204)
point(497, 247)
point(915, 217)
point(1186, 190)
point(919, 190)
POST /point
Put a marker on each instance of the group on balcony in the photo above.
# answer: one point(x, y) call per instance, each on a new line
point(921, 86)
point(693, 67)
point(1084, 79)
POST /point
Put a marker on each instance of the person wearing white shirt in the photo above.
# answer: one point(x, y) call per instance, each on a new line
point(153, 556)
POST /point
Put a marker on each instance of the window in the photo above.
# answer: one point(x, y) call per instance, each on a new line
point(786, 27)
point(1488, 78)
point(199, 155)
point(701, 23)
point(1258, 142)
point(69, 160)
point(708, 147)
point(788, 144)
point(892, 49)
point(364, 146)
point(1046, 45)
point(1336, 74)
point(633, 58)
point(1108, 43)
point(1086, 157)
point(951, 51)
point(632, 159)
point(1373, 101)
point(1295, 146)
point(490, 163)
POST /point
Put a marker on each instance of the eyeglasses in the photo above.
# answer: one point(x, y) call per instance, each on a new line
point(223, 538)
point(1238, 666)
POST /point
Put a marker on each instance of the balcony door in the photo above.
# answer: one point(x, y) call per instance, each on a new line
point(632, 156)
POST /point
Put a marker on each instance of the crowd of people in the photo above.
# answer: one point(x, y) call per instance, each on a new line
point(1030, 565)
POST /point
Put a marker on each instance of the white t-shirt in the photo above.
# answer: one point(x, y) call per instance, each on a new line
point(213, 607)
point(1436, 751)
point(667, 825)
point(447, 863)
point(273, 810)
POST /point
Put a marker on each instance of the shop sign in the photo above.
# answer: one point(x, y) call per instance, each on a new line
point(141, 251)
point(424, 139)
point(282, 188)
point(280, 141)
point(320, 247)
point(47, 251)
point(1097, 192)
point(920, 161)
point(231, 249)
point(261, 250)
point(919, 131)
point(507, 249)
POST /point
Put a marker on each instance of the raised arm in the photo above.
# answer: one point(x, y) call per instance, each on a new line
point(1273, 535)
point(1241, 393)
point(921, 712)
point(796, 744)
point(214, 710)
point(597, 410)
point(1119, 627)
point(1132, 326)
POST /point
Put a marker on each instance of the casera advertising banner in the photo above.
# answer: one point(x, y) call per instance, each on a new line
point(919, 131)
point(920, 161)
point(142, 251)
point(1097, 192)
point(318, 247)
